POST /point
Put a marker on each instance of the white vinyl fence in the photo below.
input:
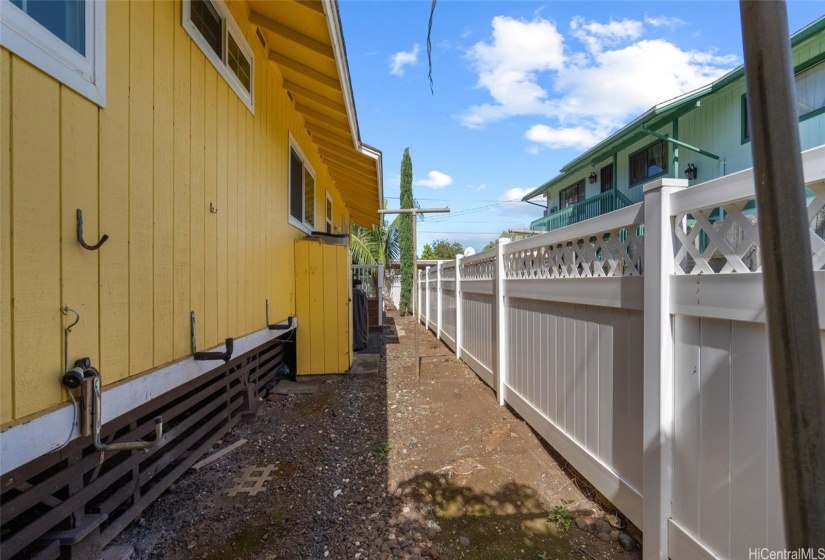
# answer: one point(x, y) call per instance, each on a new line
point(635, 344)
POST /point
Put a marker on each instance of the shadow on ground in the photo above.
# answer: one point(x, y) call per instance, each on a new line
point(509, 523)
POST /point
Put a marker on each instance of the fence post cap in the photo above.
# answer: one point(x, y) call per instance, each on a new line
point(664, 182)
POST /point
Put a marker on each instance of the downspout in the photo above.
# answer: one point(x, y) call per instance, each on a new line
point(684, 145)
point(675, 125)
point(615, 181)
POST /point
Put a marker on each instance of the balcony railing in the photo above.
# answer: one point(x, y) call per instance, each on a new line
point(584, 210)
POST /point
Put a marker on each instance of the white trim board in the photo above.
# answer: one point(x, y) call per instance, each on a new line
point(28, 39)
point(27, 441)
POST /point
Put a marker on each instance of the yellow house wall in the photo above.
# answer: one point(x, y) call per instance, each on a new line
point(172, 138)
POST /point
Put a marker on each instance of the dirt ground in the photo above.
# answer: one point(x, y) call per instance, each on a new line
point(382, 465)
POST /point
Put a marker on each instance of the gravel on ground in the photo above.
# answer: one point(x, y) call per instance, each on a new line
point(383, 465)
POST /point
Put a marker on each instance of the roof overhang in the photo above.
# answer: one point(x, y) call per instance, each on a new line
point(305, 39)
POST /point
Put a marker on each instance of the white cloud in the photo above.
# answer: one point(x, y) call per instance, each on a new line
point(572, 137)
point(587, 87)
point(435, 180)
point(513, 208)
point(513, 195)
point(664, 21)
point(507, 67)
point(402, 59)
point(596, 35)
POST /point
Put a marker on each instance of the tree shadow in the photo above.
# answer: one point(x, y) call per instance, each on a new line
point(511, 522)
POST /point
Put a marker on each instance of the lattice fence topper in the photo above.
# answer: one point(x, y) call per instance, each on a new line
point(448, 273)
point(615, 253)
point(725, 239)
point(479, 270)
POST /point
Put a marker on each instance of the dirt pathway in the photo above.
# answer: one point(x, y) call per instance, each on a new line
point(380, 465)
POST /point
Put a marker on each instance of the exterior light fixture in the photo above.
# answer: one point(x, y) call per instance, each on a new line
point(691, 172)
point(592, 177)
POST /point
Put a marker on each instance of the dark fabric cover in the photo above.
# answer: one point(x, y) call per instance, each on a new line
point(360, 320)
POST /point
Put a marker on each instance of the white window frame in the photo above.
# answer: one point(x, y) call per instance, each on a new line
point(300, 224)
point(330, 220)
point(228, 27)
point(28, 39)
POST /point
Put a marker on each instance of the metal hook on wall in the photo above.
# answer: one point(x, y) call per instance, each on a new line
point(80, 240)
point(65, 310)
point(225, 356)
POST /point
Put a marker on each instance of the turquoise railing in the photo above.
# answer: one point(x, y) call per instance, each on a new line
point(584, 210)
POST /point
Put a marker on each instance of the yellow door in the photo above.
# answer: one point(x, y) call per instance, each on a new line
point(323, 307)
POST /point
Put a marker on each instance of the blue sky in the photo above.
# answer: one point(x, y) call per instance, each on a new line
point(520, 89)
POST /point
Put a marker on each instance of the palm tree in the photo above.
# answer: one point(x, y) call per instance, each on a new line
point(378, 245)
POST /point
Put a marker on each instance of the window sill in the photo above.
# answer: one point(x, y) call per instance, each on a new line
point(306, 228)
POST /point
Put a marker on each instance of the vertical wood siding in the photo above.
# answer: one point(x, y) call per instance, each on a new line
point(172, 139)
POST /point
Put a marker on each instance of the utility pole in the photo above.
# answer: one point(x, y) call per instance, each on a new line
point(414, 212)
point(790, 296)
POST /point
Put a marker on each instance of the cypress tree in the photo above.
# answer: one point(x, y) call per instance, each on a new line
point(405, 240)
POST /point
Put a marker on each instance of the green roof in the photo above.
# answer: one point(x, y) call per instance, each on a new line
point(656, 117)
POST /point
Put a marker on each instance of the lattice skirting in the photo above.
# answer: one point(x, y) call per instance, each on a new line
point(67, 504)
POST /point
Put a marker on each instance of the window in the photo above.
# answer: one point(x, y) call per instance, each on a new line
point(301, 191)
point(66, 39)
point(648, 162)
point(810, 94)
point(810, 90)
point(572, 195)
point(213, 28)
point(329, 213)
point(606, 178)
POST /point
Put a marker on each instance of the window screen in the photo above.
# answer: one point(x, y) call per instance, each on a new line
point(309, 199)
point(296, 187)
point(237, 62)
point(66, 19)
point(649, 162)
point(572, 195)
point(209, 23)
point(810, 89)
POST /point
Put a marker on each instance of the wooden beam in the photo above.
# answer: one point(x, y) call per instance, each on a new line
point(352, 189)
point(348, 165)
point(291, 35)
point(310, 73)
point(345, 161)
point(320, 120)
point(315, 5)
point(353, 175)
point(326, 134)
point(349, 152)
point(310, 95)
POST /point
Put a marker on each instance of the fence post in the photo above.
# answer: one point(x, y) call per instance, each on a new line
point(657, 480)
point(380, 289)
point(427, 298)
point(438, 301)
point(501, 323)
point(458, 322)
point(418, 295)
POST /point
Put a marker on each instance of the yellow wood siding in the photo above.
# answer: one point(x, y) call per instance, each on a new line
point(172, 139)
point(6, 387)
point(322, 279)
